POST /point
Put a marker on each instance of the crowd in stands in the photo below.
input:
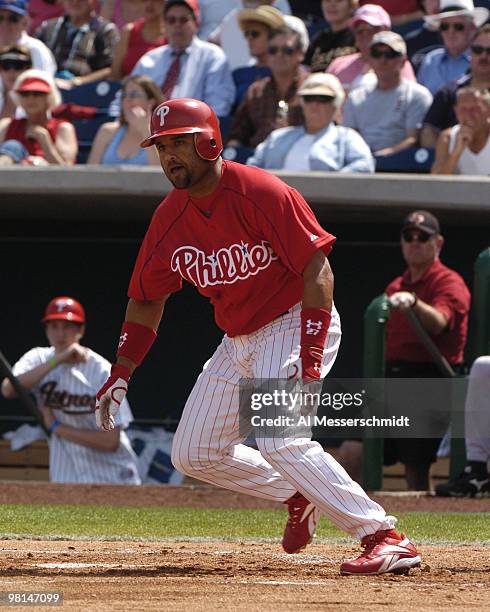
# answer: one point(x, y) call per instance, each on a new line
point(414, 73)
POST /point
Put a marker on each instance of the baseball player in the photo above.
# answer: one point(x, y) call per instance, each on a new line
point(64, 378)
point(251, 244)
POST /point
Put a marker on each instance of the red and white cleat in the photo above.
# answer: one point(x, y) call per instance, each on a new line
point(301, 525)
point(384, 551)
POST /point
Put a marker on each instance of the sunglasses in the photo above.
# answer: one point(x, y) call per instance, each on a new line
point(251, 33)
point(172, 20)
point(410, 235)
point(12, 18)
point(389, 53)
point(283, 50)
point(36, 94)
point(14, 65)
point(478, 50)
point(318, 98)
point(457, 27)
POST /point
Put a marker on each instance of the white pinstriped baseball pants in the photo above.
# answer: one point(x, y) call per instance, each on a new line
point(208, 445)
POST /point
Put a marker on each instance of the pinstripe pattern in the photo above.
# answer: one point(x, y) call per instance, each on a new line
point(70, 462)
point(208, 446)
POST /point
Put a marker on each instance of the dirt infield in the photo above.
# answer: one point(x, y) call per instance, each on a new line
point(210, 576)
point(202, 496)
point(221, 576)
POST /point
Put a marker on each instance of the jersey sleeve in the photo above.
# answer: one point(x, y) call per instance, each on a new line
point(31, 360)
point(152, 278)
point(293, 231)
point(452, 297)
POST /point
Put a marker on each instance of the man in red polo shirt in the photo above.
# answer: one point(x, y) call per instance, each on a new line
point(440, 299)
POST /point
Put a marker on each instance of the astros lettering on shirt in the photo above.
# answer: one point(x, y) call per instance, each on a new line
point(244, 246)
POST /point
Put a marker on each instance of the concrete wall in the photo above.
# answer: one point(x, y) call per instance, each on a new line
point(77, 231)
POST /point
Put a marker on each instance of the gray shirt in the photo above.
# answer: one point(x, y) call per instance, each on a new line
point(383, 116)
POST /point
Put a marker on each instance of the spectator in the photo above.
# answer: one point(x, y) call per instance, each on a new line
point(337, 39)
point(229, 36)
point(389, 114)
point(64, 378)
point(272, 102)
point(475, 479)
point(41, 10)
point(441, 113)
point(425, 37)
point(82, 43)
point(401, 12)
point(440, 300)
point(14, 59)
point(188, 67)
point(457, 22)
point(118, 142)
point(319, 144)
point(465, 147)
point(256, 25)
point(139, 37)
point(53, 140)
point(351, 70)
point(13, 25)
point(122, 12)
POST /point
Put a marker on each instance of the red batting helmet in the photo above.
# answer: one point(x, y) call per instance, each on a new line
point(188, 116)
point(65, 308)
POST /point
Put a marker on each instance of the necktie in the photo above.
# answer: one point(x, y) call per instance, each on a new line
point(172, 75)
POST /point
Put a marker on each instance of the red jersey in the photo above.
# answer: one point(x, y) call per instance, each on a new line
point(443, 289)
point(17, 131)
point(244, 246)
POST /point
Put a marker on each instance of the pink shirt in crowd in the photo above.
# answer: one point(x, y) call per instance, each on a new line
point(350, 70)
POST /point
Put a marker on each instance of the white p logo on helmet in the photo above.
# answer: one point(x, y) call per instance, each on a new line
point(162, 112)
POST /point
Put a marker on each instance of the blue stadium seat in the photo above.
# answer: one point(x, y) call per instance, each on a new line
point(413, 159)
point(224, 125)
point(99, 94)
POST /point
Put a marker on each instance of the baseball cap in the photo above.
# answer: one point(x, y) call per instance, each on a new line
point(391, 39)
point(191, 5)
point(373, 14)
point(14, 6)
point(322, 84)
point(422, 220)
point(268, 15)
point(34, 84)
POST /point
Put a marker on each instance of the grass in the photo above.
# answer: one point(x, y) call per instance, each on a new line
point(114, 523)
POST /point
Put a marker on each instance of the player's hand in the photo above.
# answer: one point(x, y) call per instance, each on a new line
point(110, 396)
point(403, 300)
point(75, 353)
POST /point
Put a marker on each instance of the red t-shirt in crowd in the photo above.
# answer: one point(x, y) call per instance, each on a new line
point(17, 131)
point(443, 289)
point(244, 246)
point(395, 7)
point(138, 46)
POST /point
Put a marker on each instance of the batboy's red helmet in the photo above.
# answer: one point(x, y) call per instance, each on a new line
point(187, 116)
point(65, 308)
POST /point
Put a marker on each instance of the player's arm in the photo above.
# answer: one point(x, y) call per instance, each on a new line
point(75, 353)
point(433, 320)
point(138, 333)
point(107, 442)
point(315, 313)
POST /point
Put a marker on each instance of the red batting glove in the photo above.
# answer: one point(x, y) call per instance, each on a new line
point(110, 396)
point(314, 328)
